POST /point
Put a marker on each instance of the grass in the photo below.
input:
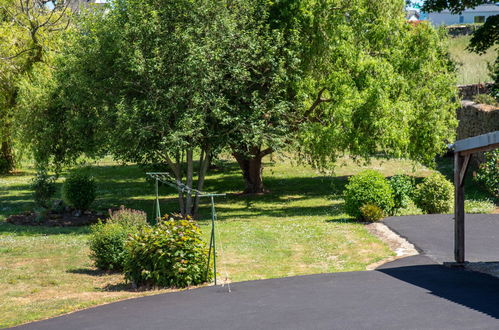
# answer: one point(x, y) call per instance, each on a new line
point(298, 228)
point(472, 68)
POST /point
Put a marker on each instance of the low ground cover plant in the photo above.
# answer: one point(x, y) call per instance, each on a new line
point(107, 239)
point(434, 194)
point(368, 187)
point(79, 190)
point(488, 173)
point(169, 254)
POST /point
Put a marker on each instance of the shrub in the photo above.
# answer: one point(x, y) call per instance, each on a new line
point(107, 240)
point(488, 172)
point(79, 190)
point(368, 187)
point(402, 186)
point(371, 212)
point(128, 217)
point(434, 194)
point(170, 254)
point(44, 189)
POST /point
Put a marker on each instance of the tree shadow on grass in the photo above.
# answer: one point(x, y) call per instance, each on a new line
point(90, 271)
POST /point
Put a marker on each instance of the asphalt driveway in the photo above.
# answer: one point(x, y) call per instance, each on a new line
point(411, 293)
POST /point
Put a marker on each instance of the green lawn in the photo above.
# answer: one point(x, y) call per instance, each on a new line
point(297, 228)
point(472, 68)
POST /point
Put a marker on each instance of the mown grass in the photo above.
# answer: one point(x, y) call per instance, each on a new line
point(472, 68)
point(298, 228)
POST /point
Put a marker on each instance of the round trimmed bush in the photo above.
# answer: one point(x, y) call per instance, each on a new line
point(170, 254)
point(44, 189)
point(368, 187)
point(435, 194)
point(107, 240)
point(79, 190)
point(403, 188)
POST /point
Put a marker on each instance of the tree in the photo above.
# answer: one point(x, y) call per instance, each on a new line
point(376, 85)
point(361, 81)
point(29, 30)
point(167, 81)
point(144, 82)
point(485, 37)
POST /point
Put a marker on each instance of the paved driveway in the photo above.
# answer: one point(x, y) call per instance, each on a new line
point(434, 235)
point(410, 293)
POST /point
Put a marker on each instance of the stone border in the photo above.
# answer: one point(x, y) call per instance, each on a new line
point(397, 244)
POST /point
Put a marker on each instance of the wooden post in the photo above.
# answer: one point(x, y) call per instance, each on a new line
point(460, 167)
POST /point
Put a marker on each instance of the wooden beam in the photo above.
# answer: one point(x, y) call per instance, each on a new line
point(459, 169)
point(485, 148)
point(464, 169)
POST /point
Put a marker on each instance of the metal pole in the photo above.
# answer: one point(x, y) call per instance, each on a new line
point(158, 210)
point(213, 216)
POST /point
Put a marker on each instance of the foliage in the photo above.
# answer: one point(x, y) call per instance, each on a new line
point(485, 37)
point(107, 239)
point(325, 77)
point(170, 254)
point(30, 34)
point(128, 217)
point(371, 212)
point(488, 173)
point(107, 244)
point(486, 99)
point(402, 186)
point(368, 187)
point(377, 74)
point(44, 189)
point(79, 190)
point(435, 194)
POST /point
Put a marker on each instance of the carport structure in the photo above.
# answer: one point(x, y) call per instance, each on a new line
point(463, 149)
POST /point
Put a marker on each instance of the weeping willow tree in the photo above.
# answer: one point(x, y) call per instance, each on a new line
point(30, 33)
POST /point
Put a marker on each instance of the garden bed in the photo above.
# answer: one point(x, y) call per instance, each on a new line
point(69, 218)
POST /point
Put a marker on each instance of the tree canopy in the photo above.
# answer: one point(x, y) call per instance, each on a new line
point(170, 81)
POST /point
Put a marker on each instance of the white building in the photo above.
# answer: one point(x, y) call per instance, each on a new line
point(477, 15)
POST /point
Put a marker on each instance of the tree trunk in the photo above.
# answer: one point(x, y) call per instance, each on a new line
point(7, 163)
point(251, 166)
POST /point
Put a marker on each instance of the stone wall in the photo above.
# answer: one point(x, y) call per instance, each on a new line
point(466, 92)
point(476, 119)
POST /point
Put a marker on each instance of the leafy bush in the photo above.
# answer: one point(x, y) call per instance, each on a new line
point(128, 217)
point(403, 187)
point(368, 187)
point(170, 254)
point(371, 212)
point(488, 173)
point(79, 190)
point(434, 194)
point(107, 240)
point(44, 189)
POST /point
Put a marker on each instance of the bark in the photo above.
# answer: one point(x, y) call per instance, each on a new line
point(252, 169)
point(188, 198)
point(203, 168)
point(7, 162)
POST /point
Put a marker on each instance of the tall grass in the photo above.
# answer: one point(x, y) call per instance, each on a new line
point(472, 68)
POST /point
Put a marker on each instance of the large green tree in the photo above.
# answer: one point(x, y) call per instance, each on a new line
point(30, 31)
point(167, 81)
